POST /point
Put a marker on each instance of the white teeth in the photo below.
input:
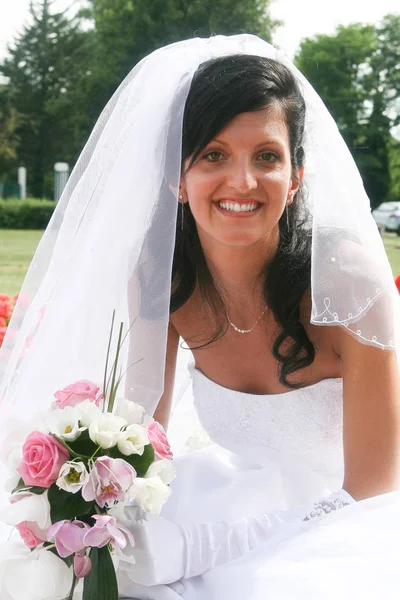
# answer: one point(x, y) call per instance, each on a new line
point(236, 207)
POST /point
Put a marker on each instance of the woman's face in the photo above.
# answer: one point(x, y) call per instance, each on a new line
point(238, 187)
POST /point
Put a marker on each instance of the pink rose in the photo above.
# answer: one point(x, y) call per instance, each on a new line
point(78, 392)
point(30, 539)
point(158, 440)
point(42, 458)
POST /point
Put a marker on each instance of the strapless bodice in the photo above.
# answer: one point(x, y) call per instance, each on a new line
point(304, 426)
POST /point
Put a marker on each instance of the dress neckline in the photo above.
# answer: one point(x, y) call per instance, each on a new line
point(308, 388)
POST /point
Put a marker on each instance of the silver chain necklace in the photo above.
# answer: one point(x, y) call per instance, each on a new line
point(245, 330)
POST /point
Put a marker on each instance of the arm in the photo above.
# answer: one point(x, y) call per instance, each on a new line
point(371, 416)
point(166, 552)
point(163, 409)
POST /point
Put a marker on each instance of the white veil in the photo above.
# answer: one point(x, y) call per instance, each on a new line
point(110, 242)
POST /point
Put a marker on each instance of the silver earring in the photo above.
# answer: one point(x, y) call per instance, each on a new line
point(182, 208)
point(288, 203)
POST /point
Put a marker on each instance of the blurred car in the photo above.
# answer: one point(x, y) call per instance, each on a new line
point(387, 216)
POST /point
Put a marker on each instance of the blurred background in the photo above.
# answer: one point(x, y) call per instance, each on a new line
point(60, 61)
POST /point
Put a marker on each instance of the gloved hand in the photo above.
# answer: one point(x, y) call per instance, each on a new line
point(166, 552)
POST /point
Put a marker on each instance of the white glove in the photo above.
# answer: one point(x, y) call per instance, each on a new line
point(166, 552)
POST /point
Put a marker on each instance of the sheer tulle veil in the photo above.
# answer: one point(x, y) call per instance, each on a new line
point(110, 242)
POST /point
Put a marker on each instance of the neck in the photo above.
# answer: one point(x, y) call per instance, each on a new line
point(239, 271)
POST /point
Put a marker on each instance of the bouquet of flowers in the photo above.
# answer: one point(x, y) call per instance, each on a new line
point(94, 453)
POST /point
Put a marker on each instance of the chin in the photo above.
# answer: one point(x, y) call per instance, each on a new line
point(239, 238)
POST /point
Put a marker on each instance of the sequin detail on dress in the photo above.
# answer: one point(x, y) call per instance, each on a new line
point(304, 425)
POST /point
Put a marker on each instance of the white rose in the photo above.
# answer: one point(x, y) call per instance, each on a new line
point(65, 423)
point(164, 469)
point(72, 476)
point(133, 440)
point(32, 575)
point(150, 493)
point(106, 430)
point(130, 411)
point(88, 412)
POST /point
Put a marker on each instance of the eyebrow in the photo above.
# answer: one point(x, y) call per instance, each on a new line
point(264, 143)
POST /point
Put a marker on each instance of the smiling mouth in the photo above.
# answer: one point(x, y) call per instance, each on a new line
point(239, 207)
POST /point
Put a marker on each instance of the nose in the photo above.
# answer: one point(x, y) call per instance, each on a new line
point(242, 178)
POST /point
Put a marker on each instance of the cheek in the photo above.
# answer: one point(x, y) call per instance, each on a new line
point(276, 186)
point(200, 190)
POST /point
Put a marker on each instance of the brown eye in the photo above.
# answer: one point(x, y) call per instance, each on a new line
point(269, 157)
point(213, 156)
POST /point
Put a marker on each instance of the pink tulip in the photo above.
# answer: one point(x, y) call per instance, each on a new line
point(108, 531)
point(109, 480)
point(159, 440)
point(42, 458)
point(68, 536)
point(82, 565)
point(78, 392)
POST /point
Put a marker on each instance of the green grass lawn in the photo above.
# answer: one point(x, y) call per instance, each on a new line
point(392, 245)
point(18, 246)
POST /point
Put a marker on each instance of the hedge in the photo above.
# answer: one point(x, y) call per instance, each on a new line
point(25, 214)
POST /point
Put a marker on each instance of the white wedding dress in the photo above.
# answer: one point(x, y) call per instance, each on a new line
point(278, 452)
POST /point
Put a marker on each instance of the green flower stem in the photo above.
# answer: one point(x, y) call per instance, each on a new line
point(71, 593)
point(114, 365)
point(113, 391)
point(64, 443)
point(94, 453)
point(107, 359)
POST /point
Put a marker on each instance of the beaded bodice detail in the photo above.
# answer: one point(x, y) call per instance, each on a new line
point(305, 425)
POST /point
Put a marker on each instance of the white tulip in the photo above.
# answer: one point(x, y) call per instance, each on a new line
point(130, 411)
point(32, 575)
point(133, 440)
point(150, 493)
point(88, 412)
point(65, 423)
point(106, 430)
point(164, 469)
point(72, 476)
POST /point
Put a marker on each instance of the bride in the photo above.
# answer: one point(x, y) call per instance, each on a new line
point(274, 278)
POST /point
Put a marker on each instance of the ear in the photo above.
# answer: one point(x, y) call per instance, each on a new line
point(297, 178)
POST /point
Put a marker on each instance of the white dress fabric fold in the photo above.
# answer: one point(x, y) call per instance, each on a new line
point(277, 452)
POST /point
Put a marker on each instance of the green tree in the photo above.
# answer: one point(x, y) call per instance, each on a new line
point(356, 73)
point(45, 67)
point(127, 30)
point(394, 169)
point(8, 137)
